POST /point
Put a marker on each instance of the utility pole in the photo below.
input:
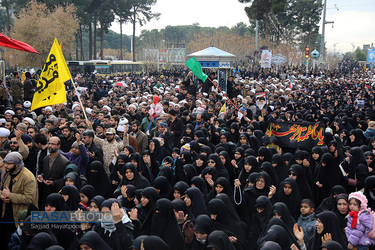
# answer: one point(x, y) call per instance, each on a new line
point(322, 44)
point(256, 34)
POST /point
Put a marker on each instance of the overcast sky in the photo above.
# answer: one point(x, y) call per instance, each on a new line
point(354, 21)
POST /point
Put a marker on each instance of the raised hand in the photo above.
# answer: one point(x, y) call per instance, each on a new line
point(116, 212)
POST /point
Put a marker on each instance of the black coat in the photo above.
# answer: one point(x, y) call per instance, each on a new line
point(118, 239)
point(55, 173)
point(176, 127)
point(98, 153)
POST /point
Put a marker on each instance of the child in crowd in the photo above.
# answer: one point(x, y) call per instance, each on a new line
point(307, 219)
point(16, 238)
point(359, 223)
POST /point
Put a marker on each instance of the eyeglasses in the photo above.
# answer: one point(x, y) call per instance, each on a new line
point(211, 162)
point(13, 142)
point(369, 158)
point(293, 174)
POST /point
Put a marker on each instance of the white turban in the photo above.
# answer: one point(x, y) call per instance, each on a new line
point(107, 108)
point(29, 120)
point(4, 132)
point(9, 111)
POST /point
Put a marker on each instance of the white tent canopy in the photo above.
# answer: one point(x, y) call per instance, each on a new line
point(212, 57)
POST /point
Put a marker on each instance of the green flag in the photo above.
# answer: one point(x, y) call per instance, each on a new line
point(196, 67)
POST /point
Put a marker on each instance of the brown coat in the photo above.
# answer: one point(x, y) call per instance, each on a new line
point(24, 191)
point(4, 93)
point(131, 141)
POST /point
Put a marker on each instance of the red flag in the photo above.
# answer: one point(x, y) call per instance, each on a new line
point(14, 44)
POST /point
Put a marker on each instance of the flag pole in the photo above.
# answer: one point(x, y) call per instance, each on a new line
point(80, 102)
point(225, 95)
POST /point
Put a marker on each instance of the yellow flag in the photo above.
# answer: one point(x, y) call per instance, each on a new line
point(223, 108)
point(50, 89)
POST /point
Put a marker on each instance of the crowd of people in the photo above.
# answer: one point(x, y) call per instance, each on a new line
point(180, 167)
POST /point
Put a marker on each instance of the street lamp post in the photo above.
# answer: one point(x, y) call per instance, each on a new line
point(322, 45)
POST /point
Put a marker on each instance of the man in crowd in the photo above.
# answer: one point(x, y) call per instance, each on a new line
point(17, 145)
point(51, 176)
point(67, 138)
point(176, 127)
point(18, 190)
point(16, 87)
point(4, 141)
point(109, 146)
point(141, 137)
point(94, 151)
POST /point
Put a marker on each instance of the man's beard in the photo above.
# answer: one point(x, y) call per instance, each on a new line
point(110, 139)
point(12, 169)
point(136, 131)
point(53, 150)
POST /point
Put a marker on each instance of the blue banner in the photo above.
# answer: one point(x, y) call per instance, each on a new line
point(371, 56)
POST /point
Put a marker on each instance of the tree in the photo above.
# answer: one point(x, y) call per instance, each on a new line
point(141, 13)
point(306, 16)
point(241, 29)
point(234, 44)
point(84, 22)
point(105, 18)
point(261, 9)
point(7, 5)
point(38, 26)
point(3, 20)
point(122, 11)
point(297, 24)
point(150, 38)
point(359, 55)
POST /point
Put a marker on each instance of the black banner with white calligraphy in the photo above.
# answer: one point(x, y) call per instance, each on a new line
point(302, 135)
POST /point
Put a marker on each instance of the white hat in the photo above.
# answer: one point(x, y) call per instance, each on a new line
point(75, 105)
point(2, 120)
point(133, 106)
point(120, 129)
point(88, 111)
point(27, 104)
point(4, 132)
point(9, 111)
point(123, 121)
point(49, 108)
point(107, 108)
point(29, 120)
